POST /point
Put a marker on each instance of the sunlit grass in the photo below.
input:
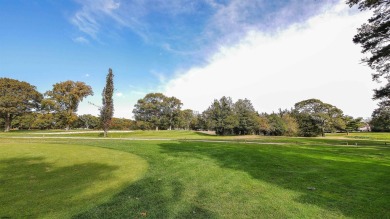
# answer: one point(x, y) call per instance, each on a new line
point(60, 180)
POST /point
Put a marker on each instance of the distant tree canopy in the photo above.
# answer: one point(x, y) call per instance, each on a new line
point(374, 37)
point(158, 110)
point(315, 116)
point(65, 97)
point(17, 98)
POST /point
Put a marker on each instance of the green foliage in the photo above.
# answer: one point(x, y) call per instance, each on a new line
point(246, 117)
point(44, 121)
point(88, 121)
point(380, 121)
point(187, 119)
point(65, 97)
point(352, 124)
point(159, 111)
point(17, 98)
point(107, 110)
point(221, 116)
point(323, 115)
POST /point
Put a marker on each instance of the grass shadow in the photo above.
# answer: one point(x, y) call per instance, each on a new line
point(151, 198)
point(33, 188)
point(348, 180)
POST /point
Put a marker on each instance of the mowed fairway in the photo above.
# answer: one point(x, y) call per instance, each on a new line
point(49, 180)
point(269, 178)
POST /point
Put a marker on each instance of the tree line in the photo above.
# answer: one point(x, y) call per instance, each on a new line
point(310, 117)
point(23, 107)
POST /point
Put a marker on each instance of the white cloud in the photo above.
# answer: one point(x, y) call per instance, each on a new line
point(119, 94)
point(81, 40)
point(86, 75)
point(314, 59)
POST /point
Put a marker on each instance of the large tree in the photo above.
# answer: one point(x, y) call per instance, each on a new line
point(17, 98)
point(380, 121)
point(221, 116)
point(107, 110)
point(325, 116)
point(158, 110)
point(246, 117)
point(374, 37)
point(66, 97)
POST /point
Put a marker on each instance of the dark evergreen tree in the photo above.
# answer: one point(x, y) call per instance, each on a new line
point(374, 37)
point(107, 110)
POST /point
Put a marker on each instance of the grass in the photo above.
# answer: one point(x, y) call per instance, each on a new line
point(293, 177)
point(44, 180)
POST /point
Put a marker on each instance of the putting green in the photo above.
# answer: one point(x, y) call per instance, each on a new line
point(48, 180)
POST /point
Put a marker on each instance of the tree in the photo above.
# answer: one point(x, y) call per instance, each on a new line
point(65, 97)
point(171, 111)
point(186, 118)
point(325, 116)
point(246, 117)
point(17, 98)
point(380, 121)
point(222, 117)
point(374, 37)
point(262, 125)
point(352, 124)
point(88, 121)
point(158, 110)
point(107, 110)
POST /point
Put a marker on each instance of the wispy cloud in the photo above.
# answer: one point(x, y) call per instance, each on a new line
point(88, 19)
point(119, 94)
point(81, 40)
point(189, 27)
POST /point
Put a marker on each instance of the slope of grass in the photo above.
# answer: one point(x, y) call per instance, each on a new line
point(40, 180)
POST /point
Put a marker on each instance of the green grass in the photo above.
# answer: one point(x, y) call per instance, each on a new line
point(366, 135)
point(60, 180)
point(193, 179)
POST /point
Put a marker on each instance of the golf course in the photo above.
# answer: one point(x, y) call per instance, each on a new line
point(187, 174)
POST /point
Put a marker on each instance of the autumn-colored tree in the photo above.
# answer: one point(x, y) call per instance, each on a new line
point(66, 97)
point(17, 98)
point(107, 110)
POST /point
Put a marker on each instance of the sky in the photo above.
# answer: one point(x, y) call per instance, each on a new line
point(274, 53)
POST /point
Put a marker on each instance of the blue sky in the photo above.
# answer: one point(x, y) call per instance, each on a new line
point(186, 48)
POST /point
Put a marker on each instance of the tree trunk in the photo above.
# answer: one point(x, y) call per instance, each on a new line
point(105, 133)
point(7, 123)
point(67, 127)
point(156, 128)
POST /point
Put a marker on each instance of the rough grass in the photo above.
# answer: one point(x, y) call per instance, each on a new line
point(291, 178)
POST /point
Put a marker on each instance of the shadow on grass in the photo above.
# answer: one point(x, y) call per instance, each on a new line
point(346, 181)
point(33, 188)
point(151, 198)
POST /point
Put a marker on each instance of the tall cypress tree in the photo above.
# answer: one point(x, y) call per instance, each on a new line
point(107, 110)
